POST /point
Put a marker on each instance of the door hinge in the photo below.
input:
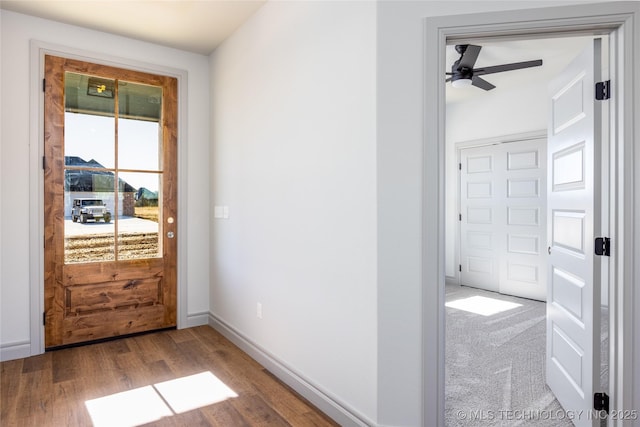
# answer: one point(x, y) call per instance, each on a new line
point(459, 217)
point(460, 267)
point(601, 402)
point(44, 163)
point(44, 318)
point(603, 90)
point(44, 85)
point(460, 166)
point(603, 246)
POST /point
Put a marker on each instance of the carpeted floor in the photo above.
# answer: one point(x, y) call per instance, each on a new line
point(495, 365)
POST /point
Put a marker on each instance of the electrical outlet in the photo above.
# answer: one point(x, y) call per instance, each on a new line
point(259, 310)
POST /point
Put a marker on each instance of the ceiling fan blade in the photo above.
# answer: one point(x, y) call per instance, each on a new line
point(507, 67)
point(469, 56)
point(481, 83)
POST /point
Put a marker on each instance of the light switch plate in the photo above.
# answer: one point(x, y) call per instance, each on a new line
point(218, 212)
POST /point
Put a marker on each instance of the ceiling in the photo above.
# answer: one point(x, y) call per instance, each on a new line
point(196, 26)
point(201, 25)
point(555, 53)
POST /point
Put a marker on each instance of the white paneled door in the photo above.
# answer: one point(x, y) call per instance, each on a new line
point(502, 218)
point(573, 308)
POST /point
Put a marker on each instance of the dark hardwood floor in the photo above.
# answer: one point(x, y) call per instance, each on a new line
point(58, 388)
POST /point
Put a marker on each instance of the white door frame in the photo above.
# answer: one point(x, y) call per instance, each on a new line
point(616, 19)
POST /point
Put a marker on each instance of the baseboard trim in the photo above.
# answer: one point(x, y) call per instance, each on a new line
point(338, 411)
point(15, 350)
point(197, 319)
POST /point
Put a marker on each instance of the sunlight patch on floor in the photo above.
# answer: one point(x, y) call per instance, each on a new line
point(482, 305)
point(129, 408)
point(195, 391)
point(147, 404)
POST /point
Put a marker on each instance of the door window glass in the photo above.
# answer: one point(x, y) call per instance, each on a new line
point(113, 169)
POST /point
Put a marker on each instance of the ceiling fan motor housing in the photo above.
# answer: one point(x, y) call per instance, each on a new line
point(460, 72)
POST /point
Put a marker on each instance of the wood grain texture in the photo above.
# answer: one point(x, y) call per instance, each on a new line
point(102, 299)
point(51, 389)
point(84, 299)
point(53, 197)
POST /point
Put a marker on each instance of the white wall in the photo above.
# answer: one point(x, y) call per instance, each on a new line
point(17, 270)
point(294, 159)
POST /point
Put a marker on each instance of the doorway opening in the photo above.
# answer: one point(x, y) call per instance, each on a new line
point(615, 19)
point(500, 239)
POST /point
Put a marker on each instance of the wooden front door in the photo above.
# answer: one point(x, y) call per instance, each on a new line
point(110, 192)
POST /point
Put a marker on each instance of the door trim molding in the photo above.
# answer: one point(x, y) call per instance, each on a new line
point(502, 139)
point(617, 18)
point(38, 49)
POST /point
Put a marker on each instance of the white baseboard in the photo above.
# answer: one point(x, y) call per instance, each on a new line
point(197, 319)
point(15, 350)
point(338, 411)
point(451, 280)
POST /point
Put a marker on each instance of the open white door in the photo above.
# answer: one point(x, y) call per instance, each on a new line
point(573, 209)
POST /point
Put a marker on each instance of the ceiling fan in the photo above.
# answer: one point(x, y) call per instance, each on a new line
point(463, 74)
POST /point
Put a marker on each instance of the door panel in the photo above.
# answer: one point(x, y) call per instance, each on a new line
point(110, 201)
point(480, 242)
point(573, 309)
point(523, 265)
point(502, 225)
